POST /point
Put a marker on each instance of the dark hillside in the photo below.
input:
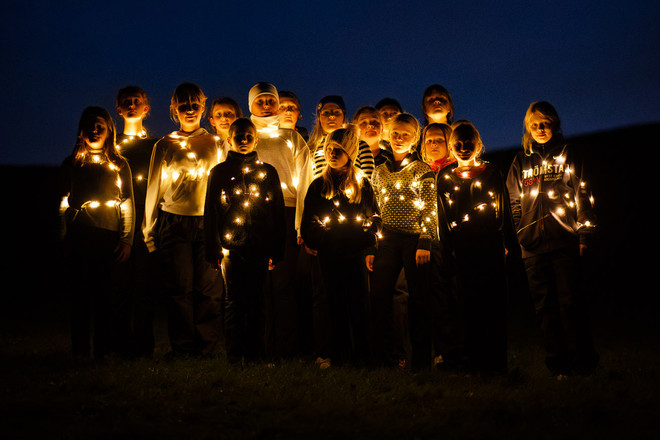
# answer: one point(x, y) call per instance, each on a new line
point(622, 193)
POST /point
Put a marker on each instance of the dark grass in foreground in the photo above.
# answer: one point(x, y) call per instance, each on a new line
point(47, 394)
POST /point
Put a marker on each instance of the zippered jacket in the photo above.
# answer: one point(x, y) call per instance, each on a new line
point(551, 203)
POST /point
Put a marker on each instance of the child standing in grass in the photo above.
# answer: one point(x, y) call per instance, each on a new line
point(97, 212)
point(135, 144)
point(554, 216)
point(475, 223)
point(340, 221)
point(285, 150)
point(244, 214)
point(174, 217)
point(405, 190)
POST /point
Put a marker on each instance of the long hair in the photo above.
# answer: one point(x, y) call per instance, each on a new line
point(183, 93)
point(441, 90)
point(317, 134)
point(87, 120)
point(348, 182)
point(548, 111)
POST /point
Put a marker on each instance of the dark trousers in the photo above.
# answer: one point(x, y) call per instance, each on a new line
point(444, 307)
point(244, 318)
point(143, 286)
point(312, 289)
point(561, 310)
point(344, 284)
point(98, 293)
point(192, 286)
point(395, 251)
point(280, 300)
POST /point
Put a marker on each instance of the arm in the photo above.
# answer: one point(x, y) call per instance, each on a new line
point(212, 217)
point(365, 160)
point(514, 191)
point(303, 169)
point(154, 195)
point(127, 215)
point(428, 219)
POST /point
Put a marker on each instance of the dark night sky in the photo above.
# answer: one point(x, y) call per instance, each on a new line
point(596, 61)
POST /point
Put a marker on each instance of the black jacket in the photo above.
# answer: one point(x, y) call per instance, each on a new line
point(551, 203)
point(244, 209)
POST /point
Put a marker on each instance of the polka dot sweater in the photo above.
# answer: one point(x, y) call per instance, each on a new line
point(407, 198)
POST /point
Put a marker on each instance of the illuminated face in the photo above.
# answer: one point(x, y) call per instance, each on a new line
point(96, 134)
point(466, 150)
point(264, 105)
point(221, 118)
point(435, 144)
point(388, 112)
point(369, 127)
point(190, 113)
point(402, 136)
point(331, 117)
point(336, 156)
point(540, 128)
point(437, 107)
point(133, 107)
point(243, 139)
point(289, 113)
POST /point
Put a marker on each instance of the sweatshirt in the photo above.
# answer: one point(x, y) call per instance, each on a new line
point(178, 175)
point(551, 203)
point(336, 226)
point(99, 194)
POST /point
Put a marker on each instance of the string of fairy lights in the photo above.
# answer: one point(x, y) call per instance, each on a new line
point(484, 200)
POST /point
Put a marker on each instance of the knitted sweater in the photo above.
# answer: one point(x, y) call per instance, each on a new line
point(407, 198)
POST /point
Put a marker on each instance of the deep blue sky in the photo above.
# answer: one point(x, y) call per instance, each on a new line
point(596, 61)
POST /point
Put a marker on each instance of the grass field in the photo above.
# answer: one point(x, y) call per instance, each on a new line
point(48, 394)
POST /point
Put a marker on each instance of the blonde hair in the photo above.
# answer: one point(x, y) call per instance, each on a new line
point(349, 183)
point(446, 131)
point(548, 111)
point(183, 93)
point(407, 118)
point(87, 120)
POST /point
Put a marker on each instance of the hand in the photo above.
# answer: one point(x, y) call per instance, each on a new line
point(309, 250)
point(369, 260)
point(422, 257)
point(300, 240)
point(122, 252)
point(271, 266)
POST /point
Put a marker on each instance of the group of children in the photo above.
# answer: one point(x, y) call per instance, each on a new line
point(258, 233)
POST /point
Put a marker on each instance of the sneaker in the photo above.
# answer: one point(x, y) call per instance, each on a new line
point(323, 363)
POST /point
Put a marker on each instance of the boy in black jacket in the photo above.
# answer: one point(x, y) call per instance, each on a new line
point(244, 233)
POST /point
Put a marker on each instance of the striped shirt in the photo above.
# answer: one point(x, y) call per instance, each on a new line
point(364, 161)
